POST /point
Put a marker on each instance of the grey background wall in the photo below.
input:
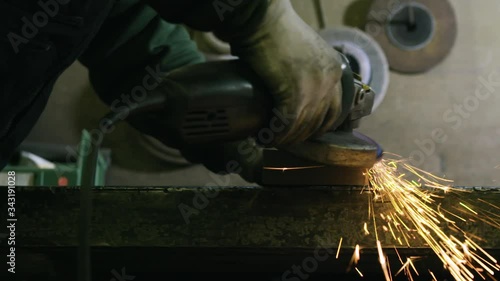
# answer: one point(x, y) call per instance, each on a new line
point(414, 108)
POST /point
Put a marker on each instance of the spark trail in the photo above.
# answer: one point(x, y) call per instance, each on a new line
point(414, 196)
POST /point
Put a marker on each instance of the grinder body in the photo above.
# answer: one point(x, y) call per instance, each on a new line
point(225, 101)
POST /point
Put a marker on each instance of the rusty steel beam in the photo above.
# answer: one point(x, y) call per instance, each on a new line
point(247, 223)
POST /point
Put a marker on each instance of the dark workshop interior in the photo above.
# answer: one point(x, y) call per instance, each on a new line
point(263, 140)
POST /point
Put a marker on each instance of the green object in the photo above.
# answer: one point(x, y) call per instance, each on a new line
point(132, 50)
point(69, 173)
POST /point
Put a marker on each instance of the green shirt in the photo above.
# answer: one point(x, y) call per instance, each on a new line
point(133, 39)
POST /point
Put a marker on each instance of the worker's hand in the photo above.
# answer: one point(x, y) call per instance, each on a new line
point(301, 70)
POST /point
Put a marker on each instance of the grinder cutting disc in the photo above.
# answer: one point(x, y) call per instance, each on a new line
point(415, 35)
point(336, 159)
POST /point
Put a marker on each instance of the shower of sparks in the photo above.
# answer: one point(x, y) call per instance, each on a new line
point(407, 267)
point(416, 213)
point(383, 261)
point(433, 276)
point(468, 208)
point(356, 255)
point(338, 249)
point(355, 258)
point(359, 272)
point(488, 203)
point(283, 169)
point(365, 228)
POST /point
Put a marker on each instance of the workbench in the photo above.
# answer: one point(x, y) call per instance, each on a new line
point(238, 233)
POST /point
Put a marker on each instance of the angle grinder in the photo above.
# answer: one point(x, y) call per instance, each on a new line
point(223, 101)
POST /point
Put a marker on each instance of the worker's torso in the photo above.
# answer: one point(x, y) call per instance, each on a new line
point(39, 40)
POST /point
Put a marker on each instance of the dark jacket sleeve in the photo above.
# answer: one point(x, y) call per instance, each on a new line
point(132, 49)
point(232, 17)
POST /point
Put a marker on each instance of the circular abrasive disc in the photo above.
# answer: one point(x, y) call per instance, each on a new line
point(415, 34)
point(365, 55)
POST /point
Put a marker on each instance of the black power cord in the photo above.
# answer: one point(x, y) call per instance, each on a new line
point(153, 103)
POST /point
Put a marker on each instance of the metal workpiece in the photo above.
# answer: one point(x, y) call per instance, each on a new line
point(249, 233)
point(218, 217)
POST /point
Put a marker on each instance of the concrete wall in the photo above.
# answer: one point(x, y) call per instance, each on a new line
point(412, 111)
point(418, 105)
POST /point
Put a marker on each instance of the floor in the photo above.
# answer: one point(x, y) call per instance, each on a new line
point(413, 112)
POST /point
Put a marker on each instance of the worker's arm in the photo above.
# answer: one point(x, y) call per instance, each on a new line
point(132, 51)
point(301, 70)
point(133, 48)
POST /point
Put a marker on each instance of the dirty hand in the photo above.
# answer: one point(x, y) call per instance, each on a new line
point(300, 69)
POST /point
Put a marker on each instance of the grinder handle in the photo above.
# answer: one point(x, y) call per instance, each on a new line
point(212, 102)
point(222, 101)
